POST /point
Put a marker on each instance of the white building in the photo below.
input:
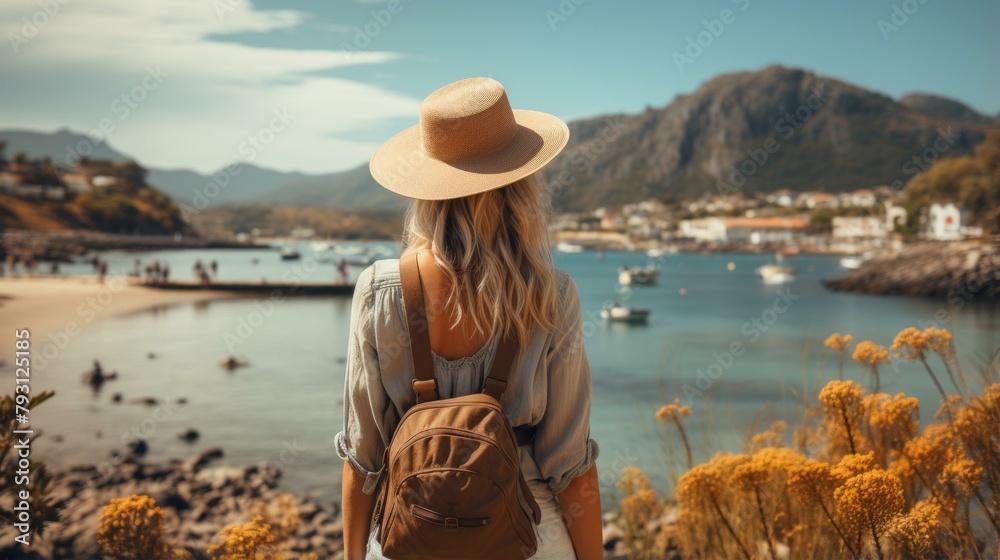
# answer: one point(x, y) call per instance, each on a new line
point(813, 200)
point(944, 222)
point(858, 227)
point(103, 181)
point(711, 230)
point(782, 197)
point(752, 230)
point(861, 198)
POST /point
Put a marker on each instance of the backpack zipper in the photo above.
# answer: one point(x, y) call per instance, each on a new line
point(450, 523)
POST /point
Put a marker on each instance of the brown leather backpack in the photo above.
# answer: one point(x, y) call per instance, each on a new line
point(451, 481)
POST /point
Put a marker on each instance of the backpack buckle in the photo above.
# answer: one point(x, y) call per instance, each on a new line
point(425, 389)
point(451, 523)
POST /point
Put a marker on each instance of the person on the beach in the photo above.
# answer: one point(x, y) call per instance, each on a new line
point(477, 229)
point(215, 267)
point(342, 271)
point(102, 270)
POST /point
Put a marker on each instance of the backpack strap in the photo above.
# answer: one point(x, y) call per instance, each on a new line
point(496, 381)
point(424, 385)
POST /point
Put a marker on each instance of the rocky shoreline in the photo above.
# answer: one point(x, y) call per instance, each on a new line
point(957, 271)
point(199, 498)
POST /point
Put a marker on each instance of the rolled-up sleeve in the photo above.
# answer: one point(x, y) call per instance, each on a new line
point(363, 440)
point(563, 449)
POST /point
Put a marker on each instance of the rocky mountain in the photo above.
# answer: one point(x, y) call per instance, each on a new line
point(944, 108)
point(759, 132)
point(748, 131)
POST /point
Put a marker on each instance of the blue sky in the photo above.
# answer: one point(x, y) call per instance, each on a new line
point(202, 76)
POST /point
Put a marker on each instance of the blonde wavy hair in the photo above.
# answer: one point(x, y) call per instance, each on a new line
point(494, 249)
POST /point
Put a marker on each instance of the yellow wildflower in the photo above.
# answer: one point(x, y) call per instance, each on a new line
point(894, 418)
point(812, 481)
point(964, 473)
point(870, 502)
point(853, 465)
point(838, 342)
point(939, 340)
point(869, 353)
point(842, 406)
point(911, 344)
point(245, 541)
point(639, 508)
point(132, 529)
point(671, 411)
point(917, 531)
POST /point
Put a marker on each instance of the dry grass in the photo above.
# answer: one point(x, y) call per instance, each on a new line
point(861, 480)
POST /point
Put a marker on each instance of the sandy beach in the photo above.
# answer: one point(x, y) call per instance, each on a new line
point(57, 309)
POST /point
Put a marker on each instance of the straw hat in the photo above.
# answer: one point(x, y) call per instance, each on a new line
point(468, 141)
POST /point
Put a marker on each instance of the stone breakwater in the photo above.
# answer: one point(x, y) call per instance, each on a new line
point(957, 271)
point(198, 500)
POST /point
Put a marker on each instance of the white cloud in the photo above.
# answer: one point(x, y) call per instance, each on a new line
point(213, 95)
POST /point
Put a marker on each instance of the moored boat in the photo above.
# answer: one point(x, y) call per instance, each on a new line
point(662, 251)
point(566, 247)
point(775, 274)
point(622, 314)
point(852, 262)
point(638, 275)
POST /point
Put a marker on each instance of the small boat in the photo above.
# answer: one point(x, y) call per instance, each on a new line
point(320, 246)
point(290, 255)
point(774, 274)
point(616, 313)
point(564, 247)
point(662, 251)
point(852, 262)
point(638, 275)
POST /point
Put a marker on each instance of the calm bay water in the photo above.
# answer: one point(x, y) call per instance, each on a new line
point(286, 406)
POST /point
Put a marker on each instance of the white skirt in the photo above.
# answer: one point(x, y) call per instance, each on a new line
point(553, 537)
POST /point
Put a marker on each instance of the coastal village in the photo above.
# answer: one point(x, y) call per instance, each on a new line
point(866, 219)
point(816, 222)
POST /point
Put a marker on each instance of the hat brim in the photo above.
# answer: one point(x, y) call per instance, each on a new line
point(401, 166)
